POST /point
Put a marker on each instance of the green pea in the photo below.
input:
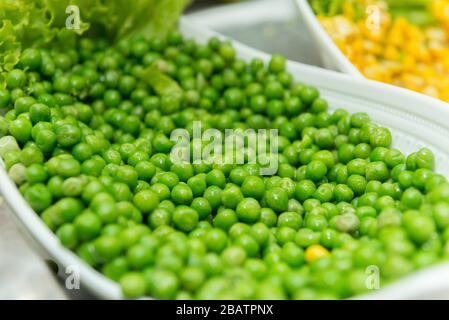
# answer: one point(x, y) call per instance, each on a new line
point(182, 194)
point(202, 206)
point(146, 200)
point(277, 199)
point(185, 218)
point(248, 210)
point(253, 187)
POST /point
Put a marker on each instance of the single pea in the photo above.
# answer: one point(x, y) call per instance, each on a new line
point(5, 98)
point(133, 284)
point(238, 175)
point(161, 284)
point(39, 197)
point(420, 178)
point(316, 170)
point(185, 218)
point(145, 170)
point(304, 190)
point(380, 137)
point(268, 217)
point(36, 173)
point(277, 63)
point(202, 206)
point(418, 226)
point(146, 200)
point(15, 78)
point(290, 219)
point(225, 219)
point(248, 210)
point(159, 217)
point(316, 220)
point(249, 244)
point(425, 159)
point(115, 269)
point(216, 178)
point(412, 198)
point(216, 240)
point(170, 179)
point(306, 237)
point(343, 193)
point(107, 247)
point(377, 170)
point(253, 187)
point(347, 222)
point(292, 254)
point(67, 235)
point(20, 129)
point(324, 193)
point(197, 184)
point(68, 135)
point(213, 196)
point(441, 215)
point(231, 196)
point(357, 183)
point(140, 256)
point(87, 225)
point(277, 199)
point(182, 194)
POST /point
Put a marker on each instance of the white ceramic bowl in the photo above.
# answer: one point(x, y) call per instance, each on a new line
point(415, 120)
point(331, 55)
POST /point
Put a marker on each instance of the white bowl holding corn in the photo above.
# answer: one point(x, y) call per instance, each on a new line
point(383, 46)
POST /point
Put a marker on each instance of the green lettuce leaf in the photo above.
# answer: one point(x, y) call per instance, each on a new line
point(9, 47)
point(36, 23)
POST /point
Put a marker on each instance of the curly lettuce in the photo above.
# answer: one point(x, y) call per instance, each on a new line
point(33, 23)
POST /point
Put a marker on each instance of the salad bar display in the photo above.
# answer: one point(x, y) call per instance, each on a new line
point(89, 116)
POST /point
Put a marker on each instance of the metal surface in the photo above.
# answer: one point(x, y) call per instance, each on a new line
point(276, 28)
point(23, 274)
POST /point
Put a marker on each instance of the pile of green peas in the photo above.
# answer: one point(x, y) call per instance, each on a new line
point(87, 141)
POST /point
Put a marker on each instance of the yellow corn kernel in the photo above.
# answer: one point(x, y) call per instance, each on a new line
point(315, 252)
point(440, 9)
point(348, 10)
point(412, 81)
point(445, 62)
point(391, 53)
point(409, 63)
point(357, 46)
point(431, 91)
point(375, 35)
point(444, 95)
point(340, 43)
point(375, 73)
point(394, 38)
point(411, 48)
point(370, 60)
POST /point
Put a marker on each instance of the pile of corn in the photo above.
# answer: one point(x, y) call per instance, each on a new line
point(394, 50)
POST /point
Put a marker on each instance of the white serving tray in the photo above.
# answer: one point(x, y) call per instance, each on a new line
point(415, 120)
